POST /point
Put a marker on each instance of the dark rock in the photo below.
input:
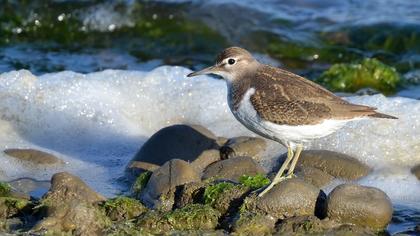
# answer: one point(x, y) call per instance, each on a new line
point(225, 197)
point(359, 205)
point(243, 146)
point(191, 217)
point(190, 193)
point(33, 156)
point(160, 190)
point(136, 168)
point(336, 164)
point(314, 176)
point(178, 141)
point(70, 206)
point(233, 169)
point(311, 225)
point(416, 171)
point(254, 224)
point(289, 198)
point(205, 159)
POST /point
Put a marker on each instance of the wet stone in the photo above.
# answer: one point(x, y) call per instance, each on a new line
point(233, 169)
point(254, 224)
point(314, 176)
point(336, 164)
point(289, 198)
point(205, 159)
point(32, 156)
point(160, 189)
point(243, 146)
point(363, 206)
point(177, 141)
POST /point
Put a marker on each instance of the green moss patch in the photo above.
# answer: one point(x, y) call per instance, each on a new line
point(5, 189)
point(213, 192)
point(121, 208)
point(141, 182)
point(254, 182)
point(369, 73)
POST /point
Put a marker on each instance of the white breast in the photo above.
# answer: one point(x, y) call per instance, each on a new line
point(285, 134)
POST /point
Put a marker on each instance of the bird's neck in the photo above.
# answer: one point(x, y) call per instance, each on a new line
point(236, 91)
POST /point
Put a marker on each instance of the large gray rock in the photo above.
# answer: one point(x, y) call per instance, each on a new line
point(205, 159)
point(364, 206)
point(243, 146)
point(33, 157)
point(233, 169)
point(160, 190)
point(177, 141)
point(336, 164)
point(416, 171)
point(289, 198)
point(70, 207)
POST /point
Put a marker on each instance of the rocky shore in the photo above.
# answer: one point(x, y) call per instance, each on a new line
point(185, 181)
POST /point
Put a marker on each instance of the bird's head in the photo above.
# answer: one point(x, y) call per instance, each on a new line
point(230, 64)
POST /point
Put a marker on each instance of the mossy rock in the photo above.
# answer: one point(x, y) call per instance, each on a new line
point(123, 208)
point(250, 223)
point(10, 207)
point(254, 182)
point(140, 183)
point(191, 217)
point(369, 73)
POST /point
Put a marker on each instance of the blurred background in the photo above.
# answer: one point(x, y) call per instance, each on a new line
point(304, 36)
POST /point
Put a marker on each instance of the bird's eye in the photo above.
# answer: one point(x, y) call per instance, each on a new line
point(231, 61)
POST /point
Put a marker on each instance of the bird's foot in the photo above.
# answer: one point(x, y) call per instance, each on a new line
point(274, 182)
point(289, 176)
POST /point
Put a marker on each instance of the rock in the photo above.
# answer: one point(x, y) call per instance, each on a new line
point(416, 171)
point(123, 208)
point(369, 73)
point(140, 183)
point(136, 168)
point(359, 205)
point(243, 146)
point(191, 217)
point(336, 164)
point(314, 176)
point(160, 190)
point(205, 159)
point(71, 206)
point(311, 225)
point(33, 156)
point(233, 169)
point(225, 197)
point(177, 141)
point(254, 224)
point(190, 193)
point(289, 198)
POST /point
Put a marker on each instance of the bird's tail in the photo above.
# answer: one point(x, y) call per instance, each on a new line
point(381, 115)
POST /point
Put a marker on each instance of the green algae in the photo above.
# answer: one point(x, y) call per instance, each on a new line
point(141, 182)
point(212, 193)
point(254, 224)
point(254, 182)
point(123, 208)
point(369, 73)
point(190, 217)
point(5, 189)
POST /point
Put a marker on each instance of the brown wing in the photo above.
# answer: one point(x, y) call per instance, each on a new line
point(282, 97)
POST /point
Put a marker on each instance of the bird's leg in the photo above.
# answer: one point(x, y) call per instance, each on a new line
point(299, 149)
point(278, 178)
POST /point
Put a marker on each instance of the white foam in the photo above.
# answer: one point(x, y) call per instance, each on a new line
point(96, 122)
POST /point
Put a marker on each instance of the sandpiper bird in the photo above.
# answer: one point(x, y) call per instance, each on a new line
point(282, 106)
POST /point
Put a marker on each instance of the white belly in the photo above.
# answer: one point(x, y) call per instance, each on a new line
point(286, 134)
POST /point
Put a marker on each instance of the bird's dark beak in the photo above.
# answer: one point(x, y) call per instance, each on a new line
point(204, 71)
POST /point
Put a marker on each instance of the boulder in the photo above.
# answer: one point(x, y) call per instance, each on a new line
point(160, 189)
point(416, 171)
point(233, 169)
point(314, 176)
point(289, 198)
point(364, 206)
point(70, 206)
point(336, 164)
point(205, 159)
point(123, 208)
point(243, 146)
point(254, 224)
point(183, 142)
point(32, 156)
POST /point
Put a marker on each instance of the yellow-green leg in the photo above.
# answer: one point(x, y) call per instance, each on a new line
point(278, 178)
point(299, 149)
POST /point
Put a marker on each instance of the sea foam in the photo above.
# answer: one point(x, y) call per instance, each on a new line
point(96, 122)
